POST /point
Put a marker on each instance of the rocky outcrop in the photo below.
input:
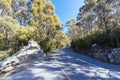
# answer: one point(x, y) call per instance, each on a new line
point(106, 54)
point(114, 56)
point(101, 56)
point(28, 53)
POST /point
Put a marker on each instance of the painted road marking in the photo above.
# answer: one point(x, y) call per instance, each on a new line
point(62, 69)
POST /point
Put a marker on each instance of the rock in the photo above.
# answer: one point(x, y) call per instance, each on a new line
point(101, 56)
point(28, 53)
point(95, 48)
point(94, 45)
point(114, 57)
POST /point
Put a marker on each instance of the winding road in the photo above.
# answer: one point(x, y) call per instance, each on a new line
point(65, 64)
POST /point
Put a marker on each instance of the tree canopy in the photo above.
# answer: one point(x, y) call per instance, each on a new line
point(21, 20)
point(98, 21)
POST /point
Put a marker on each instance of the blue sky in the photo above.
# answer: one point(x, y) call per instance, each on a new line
point(67, 9)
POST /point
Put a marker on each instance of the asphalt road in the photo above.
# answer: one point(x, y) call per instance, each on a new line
point(65, 64)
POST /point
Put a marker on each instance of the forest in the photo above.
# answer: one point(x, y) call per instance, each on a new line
point(37, 44)
point(22, 20)
point(98, 22)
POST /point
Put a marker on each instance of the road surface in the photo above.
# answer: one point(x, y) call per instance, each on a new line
point(65, 64)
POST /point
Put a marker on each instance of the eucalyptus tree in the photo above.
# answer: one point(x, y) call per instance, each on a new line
point(74, 30)
point(44, 18)
point(98, 14)
point(21, 20)
point(87, 16)
point(115, 4)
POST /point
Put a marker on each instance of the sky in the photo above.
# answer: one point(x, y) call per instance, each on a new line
point(67, 9)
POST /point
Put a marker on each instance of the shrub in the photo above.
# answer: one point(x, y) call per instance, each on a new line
point(49, 45)
point(3, 43)
point(111, 39)
point(45, 45)
point(4, 56)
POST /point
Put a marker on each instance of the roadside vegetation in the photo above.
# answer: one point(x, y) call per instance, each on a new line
point(98, 22)
point(22, 20)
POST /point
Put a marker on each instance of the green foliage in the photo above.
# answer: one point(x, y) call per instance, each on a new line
point(81, 43)
point(4, 56)
point(38, 21)
point(98, 22)
point(74, 30)
point(103, 39)
point(97, 15)
point(3, 44)
point(47, 45)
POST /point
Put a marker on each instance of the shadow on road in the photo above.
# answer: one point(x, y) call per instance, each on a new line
point(80, 67)
point(77, 67)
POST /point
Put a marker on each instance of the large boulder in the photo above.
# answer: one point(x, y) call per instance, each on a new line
point(30, 52)
point(114, 56)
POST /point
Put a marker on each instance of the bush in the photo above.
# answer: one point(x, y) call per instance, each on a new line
point(111, 39)
point(3, 43)
point(85, 42)
point(47, 45)
point(4, 56)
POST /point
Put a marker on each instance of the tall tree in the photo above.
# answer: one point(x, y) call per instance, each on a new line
point(74, 30)
point(98, 14)
point(21, 20)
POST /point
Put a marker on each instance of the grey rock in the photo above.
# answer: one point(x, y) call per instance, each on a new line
point(28, 53)
point(114, 57)
point(101, 56)
point(94, 45)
